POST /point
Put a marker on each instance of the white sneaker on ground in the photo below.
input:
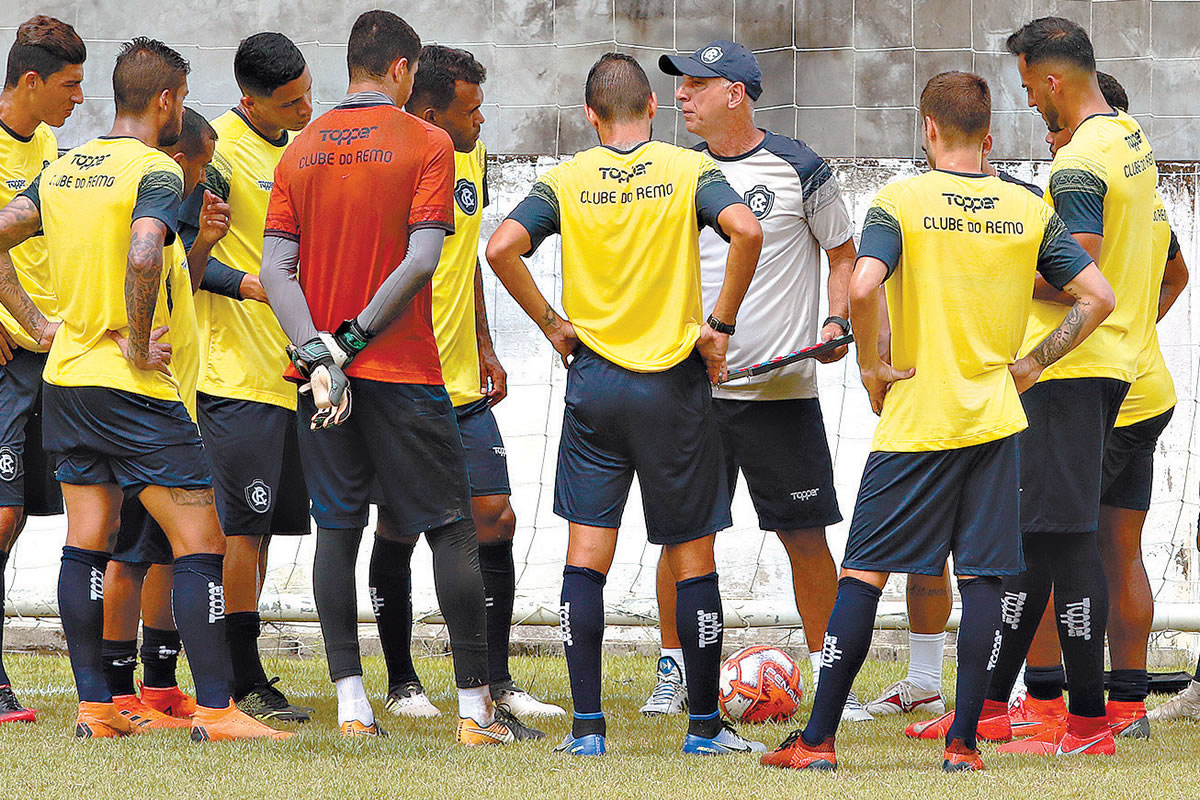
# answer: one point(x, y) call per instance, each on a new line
point(855, 711)
point(905, 697)
point(669, 695)
point(521, 703)
point(411, 701)
point(1185, 705)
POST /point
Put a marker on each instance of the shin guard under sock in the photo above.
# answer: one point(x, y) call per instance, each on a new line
point(700, 623)
point(499, 584)
point(581, 622)
point(120, 660)
point(241, 634)
point(334, 593)
point(160, 655)
point(978, 648)
point(847, 642)
point(198, 600)
point(1023, 602)
point(459, 588)
point(81, 609)
point(390, 584)
point(1081, 606)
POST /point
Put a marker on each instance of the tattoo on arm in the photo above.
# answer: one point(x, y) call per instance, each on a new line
point(1063, 338)
point(143, 272)
point(19, 220)
point(191, 497)
point(550, 318)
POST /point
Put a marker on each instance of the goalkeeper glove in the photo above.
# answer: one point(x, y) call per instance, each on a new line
point(329, 386)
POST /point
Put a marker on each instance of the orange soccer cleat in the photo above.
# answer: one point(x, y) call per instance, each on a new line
point(173, 702)
point(229, 723)
point(1128, 719)
point(1032, 716)
point(352, 729)
point(102, 721)
point(959, 758)
point(1077, 736)
point(795, 753)
point(143, 716)
point(994, 724)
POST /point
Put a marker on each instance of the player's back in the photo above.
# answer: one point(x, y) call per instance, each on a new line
point(958, 301)
point(630, 251)
point(88, 200)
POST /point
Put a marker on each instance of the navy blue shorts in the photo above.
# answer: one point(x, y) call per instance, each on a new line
point(140, 540)
point(400, 448)
point(111, 436)
point(659, 425)
point(780, 447)
point(487, 461)
point(1062, 452)
point(1129, 463)
point(255, 461)
point(26, 472)
point(915, 509)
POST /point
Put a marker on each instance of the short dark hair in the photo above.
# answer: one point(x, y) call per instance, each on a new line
point(960, 103)
point(440, 70)
point(1113, 91)
point(194, 133)
point(1053, 39)
point(377, 40)
point(617, 88)
point(44, 45)
point(266, 61)
point(145, 68)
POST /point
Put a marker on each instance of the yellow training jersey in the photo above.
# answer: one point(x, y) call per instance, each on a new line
point(631, 265)
point(21, 160)
point(243, 354)
point(963, 250)
point(1153, 392)
point(1103, 182)
point(454, 280)
point(177, 307)
point(88, 200)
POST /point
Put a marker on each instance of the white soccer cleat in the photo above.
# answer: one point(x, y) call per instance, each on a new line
point(521, 703)
point(1185, 705)
point(411, 701)
point(669, 695)
point(905, 697)
point(855, 711)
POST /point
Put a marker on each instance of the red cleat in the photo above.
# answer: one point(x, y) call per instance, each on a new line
point(793, 753)
point(1078, 736)
point(1032, 716)
point(959, 758)
point(173, 701)
point(143, 716)
point(11, 709)
point(993, 726)
point(1128, 719)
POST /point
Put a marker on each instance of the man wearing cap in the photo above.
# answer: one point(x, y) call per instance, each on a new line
point(771, 427)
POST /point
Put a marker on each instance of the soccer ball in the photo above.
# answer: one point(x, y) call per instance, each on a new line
point(760, 683)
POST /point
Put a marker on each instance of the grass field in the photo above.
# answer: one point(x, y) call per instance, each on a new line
point(420, 758)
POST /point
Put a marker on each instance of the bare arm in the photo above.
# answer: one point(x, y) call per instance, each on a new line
point(20, 220)
point(745, 244)
point(841, 267)
point(1175, 278)
point(493, 378)
point(214, 224)
point(143, 275)
point(877, 374)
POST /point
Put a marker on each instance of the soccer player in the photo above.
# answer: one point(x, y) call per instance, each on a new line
point(636, 343)
point(246, 408)
point(359, 309)
point(1102, 184)
point(113, 415)
point(943, 471)
point(41, 88)
point(138, 578)
point(448, 93)
point(771, 429)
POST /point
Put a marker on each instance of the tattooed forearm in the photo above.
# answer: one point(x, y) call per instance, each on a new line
point(143, 272)
point(550, 319)
point(14, 297)
point(19, 220)
point(1064, 337)
point(191, 497)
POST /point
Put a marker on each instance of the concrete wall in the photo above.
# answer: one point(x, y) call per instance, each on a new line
point(843, 74)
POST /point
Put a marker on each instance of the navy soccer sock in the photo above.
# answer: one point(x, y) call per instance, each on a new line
point(581, 620)
point(160, 656)
point(847, 641)
point(499, 583)
point(120, 660)
point(1129, 685)
point(241, 636)
point(978, 648)
point(1081, 605)
point(198, 601)
point(390, 586)
point(1023, 602)
point(81, 608)
point(3, 564)
point(700, 623)
point(1045, 683)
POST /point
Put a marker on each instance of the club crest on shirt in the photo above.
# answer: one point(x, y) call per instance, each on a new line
point(258, 496)
point(760, 199)
point(10, 462)
point(466, 196)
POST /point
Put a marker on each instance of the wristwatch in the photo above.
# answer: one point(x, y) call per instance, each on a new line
point(844, 324)
point(718, 326)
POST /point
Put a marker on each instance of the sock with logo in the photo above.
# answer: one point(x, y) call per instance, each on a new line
point(499, 585)
point(198, 600)
point(1023, 602)
point(581, 621)
point(1129, 686)
point(81, 609)
point(1045, 683)
point(120, 660)
point(847, 642)
point(160, 656)
point(676, 655)
point(978, 647)
point(926, 653)
point(1081, 605)
point(241, 635)
point(334, 590)
point(390, 583)
point(3, 564)
point(700, 623)
point(353, 703)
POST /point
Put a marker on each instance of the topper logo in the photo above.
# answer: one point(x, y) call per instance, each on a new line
point(624, 175)
point(347, 135)
point(84, 161)
point(970, 203)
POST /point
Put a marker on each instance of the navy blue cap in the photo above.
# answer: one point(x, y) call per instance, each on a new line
point(719, 59)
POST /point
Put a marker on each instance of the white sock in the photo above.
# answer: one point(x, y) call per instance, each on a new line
point(814, 659)
point(926, 651)
point(352, 701)
point(476, 704)
point(675, 653)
